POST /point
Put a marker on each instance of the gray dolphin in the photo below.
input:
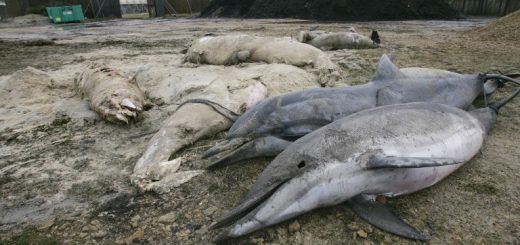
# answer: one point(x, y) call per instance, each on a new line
point(274, 123)
point(390, 150)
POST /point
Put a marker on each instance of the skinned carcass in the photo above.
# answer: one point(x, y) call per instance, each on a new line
point(338, 40)
point(234, 49)
point(208, 99)
point(111, 94)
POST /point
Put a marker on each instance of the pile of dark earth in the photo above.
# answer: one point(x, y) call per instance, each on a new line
point(332, 9)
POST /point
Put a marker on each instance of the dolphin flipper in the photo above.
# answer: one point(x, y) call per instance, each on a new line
point(383, 217)
point(382, 161)
point(259, 147)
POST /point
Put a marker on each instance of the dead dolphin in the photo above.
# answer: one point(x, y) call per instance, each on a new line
point(337, 40)
point(234, 49)
point(204, 101)
point(274, 123)
point(113, 95)
point(192, 120)
point(390, 150)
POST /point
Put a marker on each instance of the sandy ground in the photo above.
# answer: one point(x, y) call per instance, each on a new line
point(64, 173)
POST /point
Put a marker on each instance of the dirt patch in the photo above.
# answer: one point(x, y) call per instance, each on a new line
point(70, 177)
point(30, 19)
point(25, 51)
point(505, 28)
point(31, 236)
point(332, 10)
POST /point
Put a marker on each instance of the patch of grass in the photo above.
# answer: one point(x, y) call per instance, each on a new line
point(91, 188)
point(399, 205)
point(481, 188)
point(213, 187)
point(376, 237)
point(81, 164)
point(8, 135)
point(60, 120)
point(30, 236)
point(4, 179)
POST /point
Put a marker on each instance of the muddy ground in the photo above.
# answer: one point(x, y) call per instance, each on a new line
point(64, 177)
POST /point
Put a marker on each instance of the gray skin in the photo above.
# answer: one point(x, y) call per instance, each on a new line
point(389, 150)
point(269, 127)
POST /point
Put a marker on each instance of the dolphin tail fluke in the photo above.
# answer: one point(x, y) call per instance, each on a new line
point(259, 147)
point(494, 81)
point(499, 104)
point(501, 78)
point(383, 217)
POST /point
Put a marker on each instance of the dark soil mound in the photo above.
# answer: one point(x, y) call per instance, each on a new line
point(332, 9)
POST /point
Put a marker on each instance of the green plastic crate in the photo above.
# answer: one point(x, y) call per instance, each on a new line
point(64, 14)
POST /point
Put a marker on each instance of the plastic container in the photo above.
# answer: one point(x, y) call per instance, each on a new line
point(65, 14)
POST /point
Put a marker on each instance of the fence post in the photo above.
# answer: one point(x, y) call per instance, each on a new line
point(506, 7)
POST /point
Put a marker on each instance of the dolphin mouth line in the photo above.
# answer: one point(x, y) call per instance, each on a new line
point(219, 159)
point(240, 212)
point(230, 145)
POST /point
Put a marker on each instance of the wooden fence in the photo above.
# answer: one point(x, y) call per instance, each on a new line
point(189, 6)
point(112, 8)
point(99, 8)
point(486, 7)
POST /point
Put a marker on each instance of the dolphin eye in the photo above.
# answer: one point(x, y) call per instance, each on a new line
point(301, 164)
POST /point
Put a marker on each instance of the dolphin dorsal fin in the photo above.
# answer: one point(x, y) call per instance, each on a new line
point(386, 70)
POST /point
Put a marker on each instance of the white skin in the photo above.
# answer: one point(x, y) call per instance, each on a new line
point(188, 124)
point(336, 40)
point(233, 49)
point(110, 93)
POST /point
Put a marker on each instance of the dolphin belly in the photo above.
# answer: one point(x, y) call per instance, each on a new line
point(464, 144)
point(337, 182)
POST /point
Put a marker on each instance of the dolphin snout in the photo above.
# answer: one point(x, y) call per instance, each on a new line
point(252, 200)
point(222, 236)
point(227, 145)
